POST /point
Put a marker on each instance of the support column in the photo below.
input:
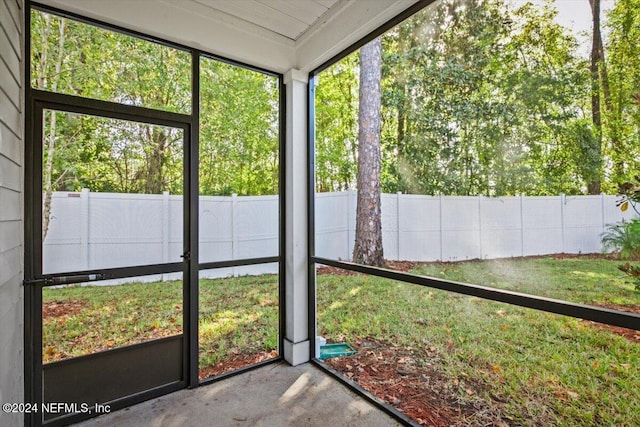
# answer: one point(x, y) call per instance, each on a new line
point(296, 340)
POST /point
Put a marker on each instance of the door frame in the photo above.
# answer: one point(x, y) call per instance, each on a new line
point(35, 280)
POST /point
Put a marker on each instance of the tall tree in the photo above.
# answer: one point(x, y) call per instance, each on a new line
point(597, 69)
point(368, 246)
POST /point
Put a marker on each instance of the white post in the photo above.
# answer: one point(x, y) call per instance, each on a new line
point(351, 231)
point(480, 224)
point(235, 243)
point(84, 227)
point(166, 209)
point(602, 211)
point(441, 232)
point(398, 199)
point(562, 203)
point(521, 225)
point(296, 339)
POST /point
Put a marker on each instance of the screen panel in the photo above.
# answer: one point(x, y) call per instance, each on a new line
point(238, 318)
point(112, 193)
point(239, 163)
point(75, 58)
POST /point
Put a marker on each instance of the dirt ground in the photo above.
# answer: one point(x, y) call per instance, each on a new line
point(236, 361)
point(408, 379)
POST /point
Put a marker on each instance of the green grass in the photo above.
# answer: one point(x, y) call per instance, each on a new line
point(581, 280)
point(237, 315)
point(546, 369)
point(549, 369)
point(104, 317)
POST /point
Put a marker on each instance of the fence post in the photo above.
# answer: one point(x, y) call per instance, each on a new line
point(562, 203)
point(350, 224)
point(398, 199)
point(347, 199)
point(480, 223)
point(165, 228)
point(602, 210)
point(84, 227)
point(522, 225)
point(234, 232)
point(441, 231)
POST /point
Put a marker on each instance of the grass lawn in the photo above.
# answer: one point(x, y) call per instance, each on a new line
point(539, 368)
point(237, 316)
point(542, 368)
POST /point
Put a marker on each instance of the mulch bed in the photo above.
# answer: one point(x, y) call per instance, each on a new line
point(408, 379)
point(236, 361)
point(62, 308)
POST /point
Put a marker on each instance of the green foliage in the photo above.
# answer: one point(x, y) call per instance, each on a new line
point(479, 97)
point(629, 195)
point(239, 130)
point(239, 115)
point(74, 58)
point(632, 271)
point(337, 126)
point(624, 238)
point(622, 119)
point(629, 233)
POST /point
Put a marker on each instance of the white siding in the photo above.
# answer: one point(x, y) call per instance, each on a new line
point(11, 211)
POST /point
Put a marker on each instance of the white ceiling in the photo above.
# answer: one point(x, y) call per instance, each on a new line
point(289, 18)
point(277, 35)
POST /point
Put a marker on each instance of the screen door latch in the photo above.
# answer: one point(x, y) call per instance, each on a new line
point(186, 256)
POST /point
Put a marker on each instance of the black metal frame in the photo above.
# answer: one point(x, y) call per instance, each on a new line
point(136, 354)
point(597, 314)
point(35, 281)
point(549, 305)
point(39, 102)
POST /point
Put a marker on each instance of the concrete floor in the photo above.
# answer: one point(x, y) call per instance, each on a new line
point(274, 395)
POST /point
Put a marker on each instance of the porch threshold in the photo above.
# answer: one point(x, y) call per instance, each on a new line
point(273, 395)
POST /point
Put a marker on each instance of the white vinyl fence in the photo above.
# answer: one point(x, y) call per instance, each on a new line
point(455, 228)
point(104, 230)
point(91, 231)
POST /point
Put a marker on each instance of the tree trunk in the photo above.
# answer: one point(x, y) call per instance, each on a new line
point(613, 115)
point(368, 245)
point(594, 181)
point(50, 140)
